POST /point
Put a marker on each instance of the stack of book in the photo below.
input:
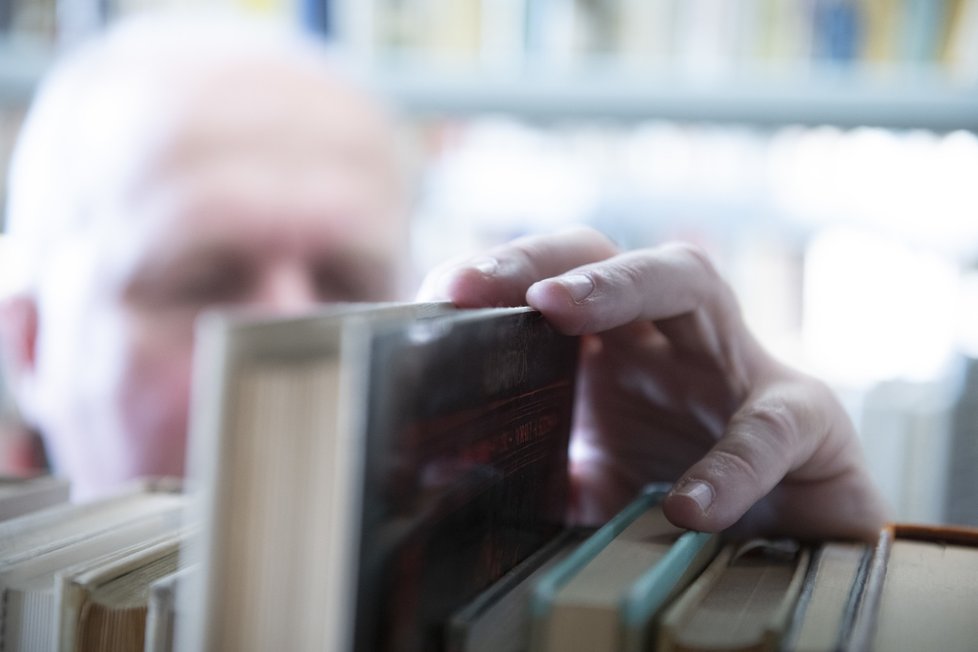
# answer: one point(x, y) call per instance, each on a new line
point(393, 478)
point(77, 576)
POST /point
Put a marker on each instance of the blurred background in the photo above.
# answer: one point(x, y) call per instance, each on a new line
point(823, 151)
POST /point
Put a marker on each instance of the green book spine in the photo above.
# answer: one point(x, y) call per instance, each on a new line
point(653, 590)
point(541, 605)
point(547, 588)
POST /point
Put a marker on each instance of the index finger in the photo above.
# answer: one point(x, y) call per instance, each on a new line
point(665, 284)
point(502, 276)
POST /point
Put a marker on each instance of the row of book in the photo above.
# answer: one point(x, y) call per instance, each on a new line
point(698, 35)
point(93, 576)
point(110, 575)
point(639, 584)
point(393, 477)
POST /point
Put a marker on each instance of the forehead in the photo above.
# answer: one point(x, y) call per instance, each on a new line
point(272, 116)
point(258, 152)
point(260, 134)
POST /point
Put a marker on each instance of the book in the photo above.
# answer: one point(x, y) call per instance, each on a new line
point(103, 603)
point(28, 581)
point(19, 496)
point(922, 591)
point(498, 619)
point(605, 595)
point(744, 600)
point(824, 614)
point(37, 533)
point(362, 474)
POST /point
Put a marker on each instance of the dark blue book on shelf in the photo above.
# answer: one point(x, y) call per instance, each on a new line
point(838, 30)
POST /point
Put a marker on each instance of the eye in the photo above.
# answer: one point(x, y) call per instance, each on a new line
point(218, 282)
point(193, 283)
point(357, 278)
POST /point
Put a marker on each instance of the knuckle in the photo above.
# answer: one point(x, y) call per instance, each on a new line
point(736, 461)
point(595, 237)
point(776, 416)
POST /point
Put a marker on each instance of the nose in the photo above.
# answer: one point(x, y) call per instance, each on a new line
point(287, 289)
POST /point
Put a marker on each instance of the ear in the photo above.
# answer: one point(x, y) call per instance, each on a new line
point(18, 339)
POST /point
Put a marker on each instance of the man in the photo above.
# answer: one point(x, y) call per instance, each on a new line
point(167, 169)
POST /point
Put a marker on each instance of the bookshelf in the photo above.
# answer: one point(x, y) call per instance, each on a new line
point(854, 101)
point(700, 61)
point(882, 63)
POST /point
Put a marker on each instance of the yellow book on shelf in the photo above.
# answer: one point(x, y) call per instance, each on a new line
point(881, 29)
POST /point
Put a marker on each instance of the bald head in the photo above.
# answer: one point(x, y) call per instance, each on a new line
point(172, 91)
point(168, 168)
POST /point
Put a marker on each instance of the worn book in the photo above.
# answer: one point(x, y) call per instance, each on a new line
point(38, 532)
point(608, 593)
point(826, 607)
point(744, 600)
point(29, 577)
point(364, 473)
point(102, 604)
point(921, 592)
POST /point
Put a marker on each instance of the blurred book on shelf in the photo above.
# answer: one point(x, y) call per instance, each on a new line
point(394, 477)
point(29, 19)
point(381, 465)
point(41, 550)
point(108, 576)
point(103, 601)
point(696, 38)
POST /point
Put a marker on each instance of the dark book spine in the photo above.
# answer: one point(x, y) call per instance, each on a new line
point(466, 467)
point(859, 635)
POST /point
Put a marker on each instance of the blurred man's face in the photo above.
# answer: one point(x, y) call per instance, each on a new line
point(271, 188)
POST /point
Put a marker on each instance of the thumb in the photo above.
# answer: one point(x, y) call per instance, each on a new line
point(764, 440)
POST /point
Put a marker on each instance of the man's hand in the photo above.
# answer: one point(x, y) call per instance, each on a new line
point(674, 387)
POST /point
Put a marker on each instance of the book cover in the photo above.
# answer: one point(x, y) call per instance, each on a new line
point(276, 452)
point(376, 466)
point(466, 465)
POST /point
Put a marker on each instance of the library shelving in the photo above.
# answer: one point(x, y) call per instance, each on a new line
point(885, 63)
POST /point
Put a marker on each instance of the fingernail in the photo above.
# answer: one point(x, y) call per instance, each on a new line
point(700, 492)
point(578, 286)
point(486, 264)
